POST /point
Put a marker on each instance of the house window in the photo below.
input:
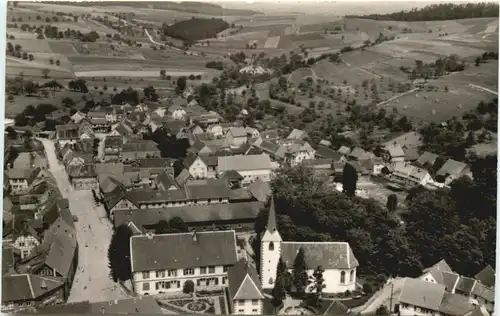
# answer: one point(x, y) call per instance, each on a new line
point(271, 246)
point(224, 280)
point(160, 274)
point(224, 269)
point(145, 275)
point(255, 302)
point(203, 270)
point(254, 311)
point(271, 281)
point(342, 277)
point(145, 286)
point(351, 277)
point(241, 310)
point(189, 271)
point(172, 273)
point(211, 269)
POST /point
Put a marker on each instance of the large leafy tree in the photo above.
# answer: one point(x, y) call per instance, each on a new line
point(300, 278)
point(119, 254)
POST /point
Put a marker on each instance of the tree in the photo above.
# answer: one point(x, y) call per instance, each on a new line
point(319, 283)
point(30, 88)
point(58, 63)
point(300, 278)
point(11, 132)
point(31, 57)
point(281, 284)
point(181, 83)
point(188, 287)
point(45, 73)
point(119, 253)
point(349, 180)
point(392, 202)
point(68, 102)
point(382, 311)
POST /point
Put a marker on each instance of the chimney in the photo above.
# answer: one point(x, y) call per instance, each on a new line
point(195, 237)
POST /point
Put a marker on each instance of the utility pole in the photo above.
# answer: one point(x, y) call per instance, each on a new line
point(390, 303)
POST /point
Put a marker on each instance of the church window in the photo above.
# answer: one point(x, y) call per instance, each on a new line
point(271, 281)
point(342, 277)
point(271, 246)
point(351, 277)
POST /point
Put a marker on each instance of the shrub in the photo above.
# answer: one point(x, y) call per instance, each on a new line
point(367, 288)
point(188, 287)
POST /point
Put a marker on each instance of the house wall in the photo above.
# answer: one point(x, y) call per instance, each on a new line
point(129, 155)
point(300, 156)
point(235, 141)
point(269, 263)
point(249, 176)
point(177, 279)
point(63, 142)
point(410, 310)
point(333, 280)
point(198, 169)
point(18, 186)
point(179, 114)
point(25, 244)
point(247, 307)
point(216, 131)
point(51, 297)
point(398, 159)
point(377, 169)
point(84, 183)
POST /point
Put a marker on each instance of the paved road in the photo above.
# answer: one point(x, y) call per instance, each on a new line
point(92, 282)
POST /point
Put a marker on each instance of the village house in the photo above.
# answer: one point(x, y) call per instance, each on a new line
point(78, 117)
point(240, 216)
point(210, 191)
point(426, 159)
point(23, 291)
point(236, 136)
point(20, 180)
point(83, 177)
point(205, 119)
point(26, 160)
point(140, 149)
point(199, 148)
point(123, 129)
point(451, 171)
point(112, 148)
point(202, 258)
point(344, 150)
point(177, 112)
point(251, 167)
point(336, 258)
point(201, 167)
point(56, 256)
point(453, 283)
point(297, 134)
point(246, 296)
point(74, 158)
point(216, 130)
point(252, 132)
point(410, 175)
point(395, 152)
point(418, 297)
point(67, 134)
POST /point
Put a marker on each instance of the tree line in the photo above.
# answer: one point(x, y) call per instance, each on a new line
point(439, 12)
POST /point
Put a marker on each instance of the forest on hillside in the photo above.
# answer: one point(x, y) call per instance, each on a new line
point(438, 12)
point(195, 29)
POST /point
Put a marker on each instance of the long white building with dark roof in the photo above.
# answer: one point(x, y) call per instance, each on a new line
point(163, 263)
point(336, 258)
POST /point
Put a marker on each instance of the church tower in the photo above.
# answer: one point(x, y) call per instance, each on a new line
point(270, 249)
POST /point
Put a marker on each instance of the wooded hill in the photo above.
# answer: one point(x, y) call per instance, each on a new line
point(195, 29)
point(438, 12)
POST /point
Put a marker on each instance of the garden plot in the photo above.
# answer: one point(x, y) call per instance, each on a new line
point(65, 48)
point(18, 34)
point(290, 30)
point(32, 46)
point(359, 58)
point(272, 42)
point(246, 36)
point(438, 106)
point(15, 70)
point(105, 50)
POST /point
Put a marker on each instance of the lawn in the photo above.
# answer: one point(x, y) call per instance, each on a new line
point(32, 46)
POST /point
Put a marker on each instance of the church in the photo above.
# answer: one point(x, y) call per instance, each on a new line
point(336, 258)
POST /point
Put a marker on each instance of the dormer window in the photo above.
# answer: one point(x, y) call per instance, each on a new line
point(271, 246)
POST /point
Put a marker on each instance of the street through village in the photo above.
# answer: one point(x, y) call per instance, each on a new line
point(92, 282)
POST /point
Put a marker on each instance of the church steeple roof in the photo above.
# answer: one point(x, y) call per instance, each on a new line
point(271, 219)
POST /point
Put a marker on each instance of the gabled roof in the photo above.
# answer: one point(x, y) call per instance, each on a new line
point(395, 150)
point(260, 190)
point(329, 255)
point(297, 134)
point(186, 250)
point(327, 152)
point(427, 158)
point(244, 283)
point(344, 150)
point(465, 285)
point(454, 304)
point(26, 287)
point(243, 163)
point(182, 177)
point(358, 153)
point(486, 276)
point(452, 167)
point(422, 294)
point(238, 131)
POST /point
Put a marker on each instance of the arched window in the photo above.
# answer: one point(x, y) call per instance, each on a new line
point(351, 277)
point(271, 246)
point(271, 281)
point(342, 277)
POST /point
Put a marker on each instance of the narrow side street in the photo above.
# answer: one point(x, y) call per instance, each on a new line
point(92, 282)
